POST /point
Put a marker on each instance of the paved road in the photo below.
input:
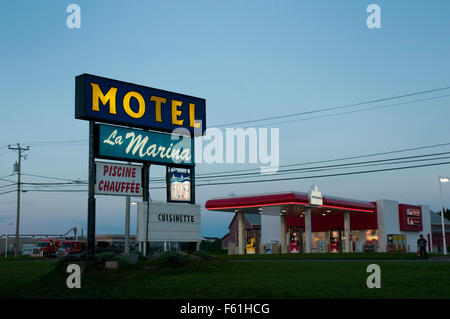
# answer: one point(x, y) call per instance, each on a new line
point(432, 260)
point(34, 260)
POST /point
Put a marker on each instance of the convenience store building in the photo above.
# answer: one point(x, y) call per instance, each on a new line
point(311, 222)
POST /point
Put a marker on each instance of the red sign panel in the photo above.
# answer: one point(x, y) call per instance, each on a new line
point(410, 217)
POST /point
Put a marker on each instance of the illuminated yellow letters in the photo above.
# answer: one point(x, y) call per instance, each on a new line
point(158, 101)
point(176, 112)
point(192, 116)
point(109, 97)
point(126, 104)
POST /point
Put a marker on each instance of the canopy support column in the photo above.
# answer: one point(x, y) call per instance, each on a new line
point(347, 232)
point(283, 233)
point(241, 225)
point(308, 246)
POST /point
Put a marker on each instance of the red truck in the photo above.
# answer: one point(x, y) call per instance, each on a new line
point(45, 248)
point(70, 247)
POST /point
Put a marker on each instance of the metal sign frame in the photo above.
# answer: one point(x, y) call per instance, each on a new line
point(108, 92)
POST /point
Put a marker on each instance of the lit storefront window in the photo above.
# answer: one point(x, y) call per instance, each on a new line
point(371, 235)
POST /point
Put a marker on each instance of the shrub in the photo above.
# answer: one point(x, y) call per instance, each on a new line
point(201, 254)
point(215, 245)
point(65, 260)
point(105, 257)
point(171, 258)
point(122, 261)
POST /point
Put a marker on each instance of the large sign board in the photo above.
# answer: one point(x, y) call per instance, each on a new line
point(143, 113)
point(114, 142)
point(410, 217)
point(174, 222)
point(111, 101)
point(118, 179)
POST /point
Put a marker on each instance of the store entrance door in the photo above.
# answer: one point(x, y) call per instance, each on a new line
point(336, 240)
point(295, 240)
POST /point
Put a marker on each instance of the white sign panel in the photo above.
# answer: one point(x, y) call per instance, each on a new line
point(175, 222)
point(118, 179)
point(180, 187)
point(315, 197)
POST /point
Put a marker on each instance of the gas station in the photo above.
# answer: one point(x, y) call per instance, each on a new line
point(311, 222)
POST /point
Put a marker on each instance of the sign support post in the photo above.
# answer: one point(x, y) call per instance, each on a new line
point(90, 254)
point(192, 176)
point(146, 198)
point(127, 224)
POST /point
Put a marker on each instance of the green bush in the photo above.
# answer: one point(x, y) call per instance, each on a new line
point(171, 258)
point(215, 245)
point(65, 260)
point(105, 257)
point(122, 261)
point(201, 254)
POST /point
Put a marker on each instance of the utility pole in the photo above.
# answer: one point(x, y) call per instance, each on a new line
point(19, 150)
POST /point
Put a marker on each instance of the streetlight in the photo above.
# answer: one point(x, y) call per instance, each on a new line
point(6, 239)
point(443, 180)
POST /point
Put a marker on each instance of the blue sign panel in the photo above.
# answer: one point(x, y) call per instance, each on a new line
point(111, 101)
point(113, 142)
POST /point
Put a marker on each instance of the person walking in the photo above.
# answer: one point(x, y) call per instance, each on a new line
point(422, 246)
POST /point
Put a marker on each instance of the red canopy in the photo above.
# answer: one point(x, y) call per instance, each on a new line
point(291, 198)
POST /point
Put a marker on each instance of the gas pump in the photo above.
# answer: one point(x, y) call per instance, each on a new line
point(295, 240)
point(250, 247)
point(335, 240)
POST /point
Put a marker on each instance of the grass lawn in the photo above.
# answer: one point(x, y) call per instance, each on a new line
point(223, 279)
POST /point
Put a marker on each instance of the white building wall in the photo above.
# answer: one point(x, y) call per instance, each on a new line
point(388, 223)
point(426, 224)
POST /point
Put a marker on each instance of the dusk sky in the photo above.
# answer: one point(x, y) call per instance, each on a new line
point(249, 60)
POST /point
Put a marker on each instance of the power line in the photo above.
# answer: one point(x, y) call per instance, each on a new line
point(58, 143)
point(55, 178)
point(217, 175)
point(350, 112)
point(56, 190)
point(85, 141)
point(6, 180)
point(334, 107)
point(279, 179)
point(7, 192)
point(327, 175)
point(391, 161)
point(257, 170)
point(13, 184)
point(335, 167)
point(56, 184)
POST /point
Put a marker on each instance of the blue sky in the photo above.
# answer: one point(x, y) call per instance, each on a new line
point(248, 59)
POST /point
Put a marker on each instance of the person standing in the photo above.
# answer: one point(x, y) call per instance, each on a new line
point(422, 246)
